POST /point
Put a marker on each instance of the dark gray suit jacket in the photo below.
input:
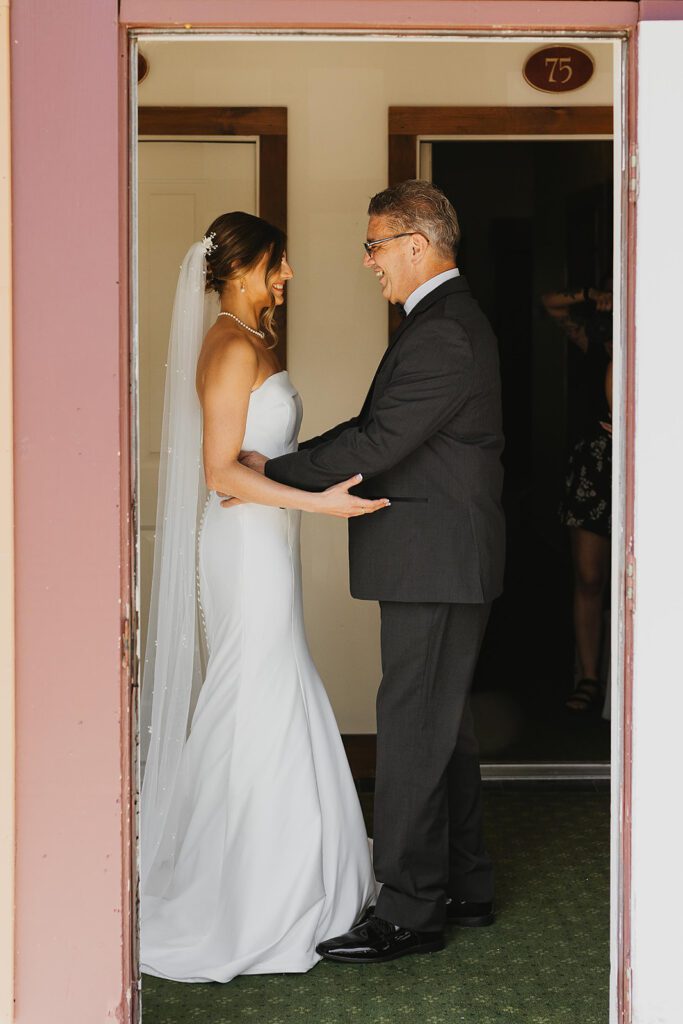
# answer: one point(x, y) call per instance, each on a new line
point(429, 437)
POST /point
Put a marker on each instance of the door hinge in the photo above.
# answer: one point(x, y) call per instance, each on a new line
point(630, 582)
point(128, 649)
point(633, 174)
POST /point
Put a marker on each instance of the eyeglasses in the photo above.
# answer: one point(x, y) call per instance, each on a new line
point(369, 246)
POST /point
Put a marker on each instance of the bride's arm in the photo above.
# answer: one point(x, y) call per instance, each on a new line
point(224, 394)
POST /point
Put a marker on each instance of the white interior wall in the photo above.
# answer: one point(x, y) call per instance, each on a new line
point(337, 95)
point(657, 817)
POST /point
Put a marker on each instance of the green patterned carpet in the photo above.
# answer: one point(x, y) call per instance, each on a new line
point(545, 961)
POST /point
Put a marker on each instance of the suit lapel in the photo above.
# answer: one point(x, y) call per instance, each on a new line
point(392, 341)
point(456, 284)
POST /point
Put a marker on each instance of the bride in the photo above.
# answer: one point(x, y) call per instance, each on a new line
point(253, 848)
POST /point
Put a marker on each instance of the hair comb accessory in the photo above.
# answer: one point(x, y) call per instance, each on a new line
point(208, 243)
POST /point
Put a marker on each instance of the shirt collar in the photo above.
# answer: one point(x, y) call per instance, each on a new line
point(427, 287)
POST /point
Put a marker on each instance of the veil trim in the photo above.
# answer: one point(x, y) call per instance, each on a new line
point(172, 669)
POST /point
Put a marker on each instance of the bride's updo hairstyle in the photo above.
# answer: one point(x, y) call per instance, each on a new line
point(240, 241)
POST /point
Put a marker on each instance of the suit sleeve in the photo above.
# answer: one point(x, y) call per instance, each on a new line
point(430, 382)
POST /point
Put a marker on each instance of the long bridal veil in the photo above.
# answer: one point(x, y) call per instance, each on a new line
point(172, 665)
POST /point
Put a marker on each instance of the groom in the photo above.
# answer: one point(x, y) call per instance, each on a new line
point(429, 438)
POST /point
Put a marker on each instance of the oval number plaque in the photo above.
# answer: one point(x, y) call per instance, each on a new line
point(558, 68)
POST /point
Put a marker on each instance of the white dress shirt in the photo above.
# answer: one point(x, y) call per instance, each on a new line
point(427, 287)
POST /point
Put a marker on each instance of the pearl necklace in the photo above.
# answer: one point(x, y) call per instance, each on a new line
point(252, 330)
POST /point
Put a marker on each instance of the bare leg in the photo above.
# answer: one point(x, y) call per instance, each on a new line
point(590, 555)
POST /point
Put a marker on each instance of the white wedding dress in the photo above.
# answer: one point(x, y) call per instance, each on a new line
point(264, 853)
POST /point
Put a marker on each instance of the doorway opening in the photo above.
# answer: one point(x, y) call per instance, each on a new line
point(537, 220)
point(337, 94)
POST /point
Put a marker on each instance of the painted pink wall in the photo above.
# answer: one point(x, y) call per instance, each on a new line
point(380, 13)
point(661, 10)
point(70, 896)
point(71, 800)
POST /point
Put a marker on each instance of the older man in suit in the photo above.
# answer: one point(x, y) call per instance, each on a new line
point(428, 437)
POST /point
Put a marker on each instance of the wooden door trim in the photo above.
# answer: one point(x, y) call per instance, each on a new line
point(500, 120)
point(269, 124)
point(407, 123)
point(213, 120)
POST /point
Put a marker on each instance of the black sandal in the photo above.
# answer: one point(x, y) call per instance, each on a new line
point(587, 696)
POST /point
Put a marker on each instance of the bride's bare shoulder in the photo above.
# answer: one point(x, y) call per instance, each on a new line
point(225, 343)
point(225, 352)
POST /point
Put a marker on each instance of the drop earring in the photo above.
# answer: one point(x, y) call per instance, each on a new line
point(242, 288)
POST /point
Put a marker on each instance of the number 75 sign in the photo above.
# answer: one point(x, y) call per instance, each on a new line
point(558, 68)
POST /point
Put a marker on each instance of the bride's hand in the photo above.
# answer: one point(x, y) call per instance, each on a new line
point(336, 501)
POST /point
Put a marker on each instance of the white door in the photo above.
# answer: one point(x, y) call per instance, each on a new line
point(183, 186)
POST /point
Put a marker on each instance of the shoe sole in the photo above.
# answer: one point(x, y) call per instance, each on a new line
point(472, 922)
point(429, 947)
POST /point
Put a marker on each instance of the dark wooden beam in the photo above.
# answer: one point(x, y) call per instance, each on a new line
point(402, 157)
point(212, 120)
point(273, 179)
point(412, 121)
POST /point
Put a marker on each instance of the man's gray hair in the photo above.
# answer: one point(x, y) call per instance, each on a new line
point(421, 207)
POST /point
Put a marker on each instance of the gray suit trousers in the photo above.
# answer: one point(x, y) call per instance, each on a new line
point(428, 841)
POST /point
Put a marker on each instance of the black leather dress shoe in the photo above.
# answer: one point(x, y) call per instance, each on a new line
point(366, 915)
point(375, 941)
point(469, 915)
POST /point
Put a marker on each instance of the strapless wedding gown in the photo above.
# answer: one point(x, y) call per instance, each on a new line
point(266, 853)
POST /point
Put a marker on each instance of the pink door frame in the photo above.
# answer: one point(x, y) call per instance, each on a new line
point(73, 554)
point(73, 839)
